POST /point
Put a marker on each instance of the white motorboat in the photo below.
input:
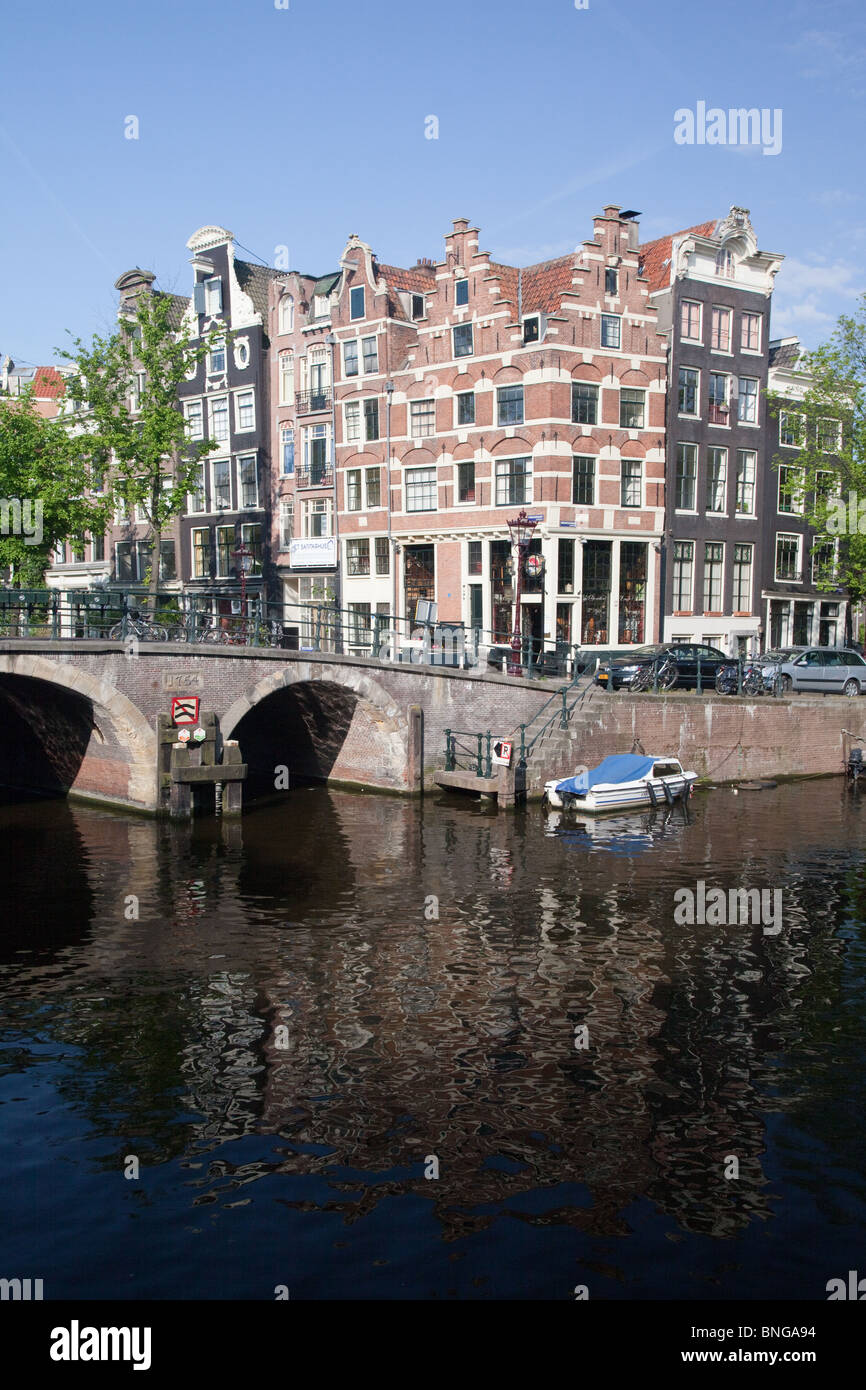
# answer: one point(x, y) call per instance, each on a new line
point(623, 782)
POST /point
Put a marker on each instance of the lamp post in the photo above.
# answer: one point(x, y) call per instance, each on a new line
point(243, 558)
point(520, 530)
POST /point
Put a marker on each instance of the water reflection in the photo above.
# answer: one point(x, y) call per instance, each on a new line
point(410, 1035)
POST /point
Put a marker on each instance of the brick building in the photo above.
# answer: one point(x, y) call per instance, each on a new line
point(458, 393)
point(712, 287)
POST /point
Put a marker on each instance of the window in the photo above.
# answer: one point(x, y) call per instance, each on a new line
point(462, 340)
point(827, 485)
point(750, 332)
point(248, 483)
point(531, 329)
point(684, 556)
point(287, 450)
point(466, 482)
point(287, 314)
point(718, 411)
point(461, 292)
point(356, 302)
point(610, 280)
point(746, 465)
point(352, 419)
point(790, 429)
point(513, 482)
point(221, 483)
point(824, 556)
point(219, 420)
point(743, 578)
point(610, 330)
point(689, 382)
point(287, 377)
point(466, 408)
point(201, 554)
point(583, 480)
point(125, 565)
point(370, 351)
point(474, 558)
point(97, 550)
point(725, 263)
point(720, 330)
point(245, 411)
point(829, 436)
point(383, 554)
point(216, 358)
point(630, 483)
point(196, 498)
point(509, 405)
point(353, 490)
point(316, 517)
point(350, 358)
point(584, 403)
point(213, 296)
point(418, 310)
point(717, 477)
point(791, 493)
point(565, 566)
point(714, 553)
point(421, 490)
point(251, 537)
point(358, 556)
point(787, 557)
point(317, 440)
point(287, 523)
point(321, 306)
point(371, 419)
point(194, 415)
point(687, 467)
point(690, 321)
point(241, 348)
point(747, 400)
point(372, 482)
point(631, 409)
point(422, 419)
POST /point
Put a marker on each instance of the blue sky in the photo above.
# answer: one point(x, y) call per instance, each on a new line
point(299, 126)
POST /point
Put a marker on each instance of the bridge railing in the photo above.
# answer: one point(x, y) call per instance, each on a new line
point(215, 617)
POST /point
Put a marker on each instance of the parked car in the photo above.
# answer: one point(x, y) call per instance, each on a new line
point(830, 669)
point(626, 665)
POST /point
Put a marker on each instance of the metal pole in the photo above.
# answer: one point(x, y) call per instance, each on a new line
point(338, 583)
point(392, 555)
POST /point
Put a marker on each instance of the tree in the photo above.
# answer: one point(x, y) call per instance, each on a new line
point(126, 387)
point(826, 478)
point(47, 477)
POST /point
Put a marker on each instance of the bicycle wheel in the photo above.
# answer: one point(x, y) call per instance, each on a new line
point(214, 636)
point(753, 683)
point(668, 676)
point(642, 680)
point(115, 634)
point(721, 682)
point(155, 633)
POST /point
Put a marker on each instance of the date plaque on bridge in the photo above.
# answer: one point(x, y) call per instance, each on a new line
point(184, 709)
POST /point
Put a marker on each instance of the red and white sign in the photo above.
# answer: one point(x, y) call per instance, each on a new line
point(183, 735)
point(501, 753)
point(184, 709)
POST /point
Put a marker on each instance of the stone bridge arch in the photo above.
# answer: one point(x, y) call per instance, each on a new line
point(325, 723)
point(79, 733)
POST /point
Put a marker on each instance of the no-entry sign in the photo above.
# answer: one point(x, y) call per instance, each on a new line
point(184, 709)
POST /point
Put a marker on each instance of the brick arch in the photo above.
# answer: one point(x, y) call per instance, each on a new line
point(505, 448)
point(633, 377)
point(129, 726)
point(586, 371)
point(507, 376)
point(376, 717)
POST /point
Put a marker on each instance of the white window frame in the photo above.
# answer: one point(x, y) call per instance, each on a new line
point(750, 314)
point(797, 505)
point(747, 607)
point(358, 474)
point(784, 417)
point(692, 304)
point(415, 420)
point(357, 290)
point(373, 371)
point(717, 511)
point(194, 410)
point(194, 550)
point(192, 497)
point(286, 377)
point(352, 421)
point(241, 459)
point(287, 522)
point(611, 318)
point(217, 347)
point(722, 309)
point(214, 463)
point(691, 594)
point(211, 295)
point(788, 536)
point(313, 507)
point(690, 414)
point(837, 445)
point(704, 606)
point(286, 314)
point(686, 444)
point(500, 475)
point(248, 391)
point(629, 481)
point(429, 487)
point(749, 480)
point(220, 403)
point(754, 397)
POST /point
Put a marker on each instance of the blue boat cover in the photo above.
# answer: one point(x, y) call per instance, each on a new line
point(621, 767)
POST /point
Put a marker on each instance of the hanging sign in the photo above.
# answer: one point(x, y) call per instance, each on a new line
point(184, 709)
point(501, 752)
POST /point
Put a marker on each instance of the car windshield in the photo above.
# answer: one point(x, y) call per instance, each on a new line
point(641, 654)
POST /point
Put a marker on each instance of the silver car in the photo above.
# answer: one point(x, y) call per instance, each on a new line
point(828, 669)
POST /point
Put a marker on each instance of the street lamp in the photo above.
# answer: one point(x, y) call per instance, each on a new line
point(520, 530)
point(243, 558)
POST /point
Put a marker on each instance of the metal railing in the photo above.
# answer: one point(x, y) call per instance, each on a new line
point(311, 402)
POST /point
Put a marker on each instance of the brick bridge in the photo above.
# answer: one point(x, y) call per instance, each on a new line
point(82, 717)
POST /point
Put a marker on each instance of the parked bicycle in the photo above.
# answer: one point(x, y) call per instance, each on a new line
point(728, 680)
point(658, 675)
point(138, 626)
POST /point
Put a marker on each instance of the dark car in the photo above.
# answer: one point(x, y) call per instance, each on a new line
point(625, 665)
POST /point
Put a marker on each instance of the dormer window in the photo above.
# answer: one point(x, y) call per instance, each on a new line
point(320, 306)
point(356, 302)
point(461, 292)
point(213, 295)
point(418, 306)
point(531, 329)
point(287, 314)
point(725, 263)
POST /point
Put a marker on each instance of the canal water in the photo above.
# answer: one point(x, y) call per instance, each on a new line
point(360, 1047)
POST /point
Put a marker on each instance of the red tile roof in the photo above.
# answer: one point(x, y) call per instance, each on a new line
point(48, 384)
point(544, 284)
point(656, 255)
point(419, 278)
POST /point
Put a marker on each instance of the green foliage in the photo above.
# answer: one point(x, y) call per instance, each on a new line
point(831, 480)
point(46, 476)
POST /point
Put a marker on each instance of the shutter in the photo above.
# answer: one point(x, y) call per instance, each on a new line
point(198, 299)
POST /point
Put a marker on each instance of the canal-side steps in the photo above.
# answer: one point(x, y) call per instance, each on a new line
point(547, 747)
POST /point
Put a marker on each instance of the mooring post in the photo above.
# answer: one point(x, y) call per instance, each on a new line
point(415, 751)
